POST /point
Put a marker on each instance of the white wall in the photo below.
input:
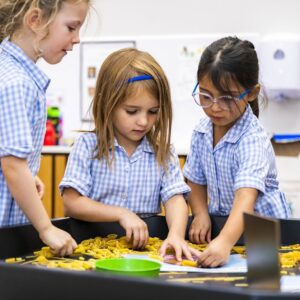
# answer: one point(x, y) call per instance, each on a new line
point(160, 17)
point(140, 17)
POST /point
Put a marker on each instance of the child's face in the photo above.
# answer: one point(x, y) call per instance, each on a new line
point(63, 32)
point(219, 116)
point(134, 118)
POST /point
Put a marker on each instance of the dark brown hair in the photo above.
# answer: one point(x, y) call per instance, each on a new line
point(231, 59)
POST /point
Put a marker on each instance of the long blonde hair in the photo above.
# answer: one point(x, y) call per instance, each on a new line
point(112, 89)
point(13, 13)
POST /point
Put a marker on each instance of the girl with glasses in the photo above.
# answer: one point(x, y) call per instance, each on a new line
point(231, 164)
point(125, 169)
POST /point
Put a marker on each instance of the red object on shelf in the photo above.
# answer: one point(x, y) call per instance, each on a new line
point(50, 135)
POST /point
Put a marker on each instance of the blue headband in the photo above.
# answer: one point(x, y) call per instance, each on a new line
point(139, 78)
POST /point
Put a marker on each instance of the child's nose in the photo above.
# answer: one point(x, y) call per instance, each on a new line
point(76, 39)
point(215, 106)
point(142, 120)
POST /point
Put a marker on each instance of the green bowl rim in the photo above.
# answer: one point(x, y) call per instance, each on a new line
point(153, 268)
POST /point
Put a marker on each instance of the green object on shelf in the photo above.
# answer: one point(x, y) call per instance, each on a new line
point(53, 112)
point(129, 266)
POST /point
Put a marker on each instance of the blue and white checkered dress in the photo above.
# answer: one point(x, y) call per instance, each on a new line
point(22, 120)
point(244, 157)
point(135, 182)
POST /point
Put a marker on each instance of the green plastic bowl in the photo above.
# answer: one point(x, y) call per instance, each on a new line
point(129, 266)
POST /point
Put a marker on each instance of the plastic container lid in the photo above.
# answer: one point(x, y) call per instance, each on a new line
point(129, 266)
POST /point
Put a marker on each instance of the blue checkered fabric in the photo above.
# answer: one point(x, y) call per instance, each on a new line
point(135, 182)
point(243, 158)
point(22, 120)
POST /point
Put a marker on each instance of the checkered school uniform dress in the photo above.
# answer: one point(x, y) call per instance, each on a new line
point(136, 182)
point(243, 158)
point(22, 119)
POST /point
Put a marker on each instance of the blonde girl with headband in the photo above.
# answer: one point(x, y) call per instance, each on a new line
point(125, 168)
point(231, 165)
point(29, 30)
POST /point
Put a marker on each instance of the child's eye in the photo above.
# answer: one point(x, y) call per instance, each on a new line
point(153, 112)
point(71, 29)
point(131, 112)
point(205, 96)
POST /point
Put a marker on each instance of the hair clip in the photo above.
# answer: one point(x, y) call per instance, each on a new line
point(139, 78)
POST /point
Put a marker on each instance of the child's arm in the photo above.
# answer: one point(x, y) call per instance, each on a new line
point(22, 186)
point(84, 208)
point(218, 251)
point(40, 187)
point(200, 230)
point(177, 217)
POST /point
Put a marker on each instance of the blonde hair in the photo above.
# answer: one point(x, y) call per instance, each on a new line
point(112, 89)
point(13, 12)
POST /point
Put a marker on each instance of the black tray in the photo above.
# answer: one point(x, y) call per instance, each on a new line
point(31, 282)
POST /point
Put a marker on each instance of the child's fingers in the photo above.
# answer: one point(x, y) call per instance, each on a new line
point(178, 253)
point(195, 252)
point(194, 236)
point(163, 249)
point(136, 238)
point(54, 250)
point(186, 251)
point(74, 244)
point(58, 250)
point(208, 261)
point(146, 232)
point(203, 256)
point(63, 251)
point(66, 247)
point(208, 236)
point(203, 234)
point(128, 234)
point(216, 263)
point(70, 248)
point(141, 242)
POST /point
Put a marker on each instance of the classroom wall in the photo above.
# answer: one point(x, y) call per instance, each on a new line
point(140, 17)
point(173, 17)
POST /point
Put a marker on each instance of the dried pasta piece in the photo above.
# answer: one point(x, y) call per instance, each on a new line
point(189, 263)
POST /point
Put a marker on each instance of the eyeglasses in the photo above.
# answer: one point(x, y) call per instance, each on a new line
point(205, 100)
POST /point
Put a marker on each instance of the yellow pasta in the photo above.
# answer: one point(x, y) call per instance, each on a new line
point(111, 247)
point(188, 263)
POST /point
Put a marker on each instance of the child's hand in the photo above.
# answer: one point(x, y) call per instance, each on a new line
point(40, 187)
point(136, 229)
point(180, 247)
point(200, 230)
point(216, 254)
point(59, 241)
